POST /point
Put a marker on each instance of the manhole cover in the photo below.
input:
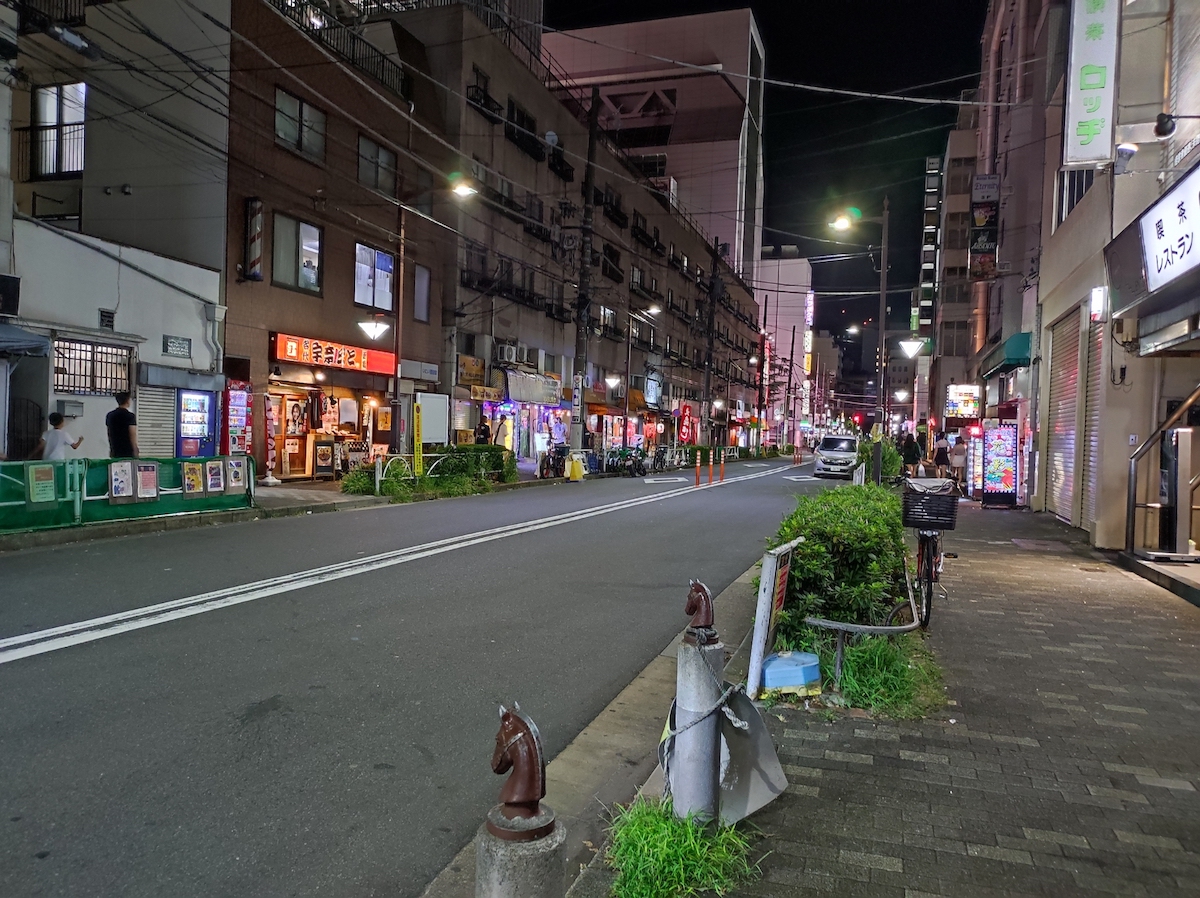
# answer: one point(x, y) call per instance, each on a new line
point(1041, 545)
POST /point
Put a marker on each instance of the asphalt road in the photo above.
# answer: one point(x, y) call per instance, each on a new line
point(329, 734)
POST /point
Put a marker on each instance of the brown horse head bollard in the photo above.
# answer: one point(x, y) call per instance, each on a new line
point(519, 851)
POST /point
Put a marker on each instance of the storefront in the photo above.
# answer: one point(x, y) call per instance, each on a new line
point(534, 409)
point(179, 412)
point(328, 406)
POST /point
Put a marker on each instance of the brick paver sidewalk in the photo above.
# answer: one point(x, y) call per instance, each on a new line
point(1066, 765)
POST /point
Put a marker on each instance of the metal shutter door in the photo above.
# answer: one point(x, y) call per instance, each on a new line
point(1091, 423)
point(156, 421)
point(1064, 393)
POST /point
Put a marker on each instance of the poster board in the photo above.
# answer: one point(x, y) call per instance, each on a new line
point(214, 476)
point(40, 490)
point(193, 479)
point(120, 483)
point(772, 592)
point(146, 475)
point(235, 475)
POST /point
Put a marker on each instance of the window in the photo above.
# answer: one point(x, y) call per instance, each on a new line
point(298, 125)
point(373, 277)
point(653, 165)
point(636, 276)
point(639, 220)
point(57, 134)
point(958, 226)
point(376, 166)
point(296, 254)
point(612, 199)
point(522, 124)
point(635, 329)
point(421, 293)
point(1072, 185)
point(424, 201)
point(608, 318)
point(683, 262)
point(667, 344)
point(960, 176)
point(476, 258)
point(90, 368)
point(481, 79)
point(549, 363)
point(956, 338)
point(504, 271)
point(955, 286)
point(534, 207)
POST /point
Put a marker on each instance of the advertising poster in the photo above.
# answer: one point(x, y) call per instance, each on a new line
point(214, 475)
point(235, 474)
point(120, 482)
point(962, 401)
point(1000, 465)
point(295, 417)
point(147, 480)
point(323, 458)
point(40, 484)
point(193, 479)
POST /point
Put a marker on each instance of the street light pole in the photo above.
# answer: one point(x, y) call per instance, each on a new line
point(583, 304)
point(397, 344)
point(883, 269)
point(628, 364)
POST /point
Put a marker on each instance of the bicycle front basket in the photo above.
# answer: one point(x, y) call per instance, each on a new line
point(930, 511)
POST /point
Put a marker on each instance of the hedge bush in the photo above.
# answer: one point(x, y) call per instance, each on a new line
point(851, 565)
point(892, 462)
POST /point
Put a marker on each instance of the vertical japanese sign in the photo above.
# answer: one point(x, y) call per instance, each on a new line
point(418, 448)
point(1091, 83)
point(1169, 232)
point(985, 226)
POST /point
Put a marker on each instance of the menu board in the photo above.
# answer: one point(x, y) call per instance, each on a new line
point(1000, 465)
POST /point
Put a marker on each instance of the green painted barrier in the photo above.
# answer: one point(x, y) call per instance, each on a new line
point(38, 495)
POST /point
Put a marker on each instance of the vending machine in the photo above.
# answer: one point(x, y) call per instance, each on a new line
point(236, 435)
point(197, 424)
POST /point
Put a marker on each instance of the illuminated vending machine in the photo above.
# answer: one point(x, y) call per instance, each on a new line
point(1000, 465)
point(236, 435)
point(196, 424)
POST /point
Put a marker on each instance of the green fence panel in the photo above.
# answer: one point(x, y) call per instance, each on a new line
point(98, 505)
point(18, 513)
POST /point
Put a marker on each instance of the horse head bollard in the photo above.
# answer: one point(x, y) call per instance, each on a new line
point(520, 850)
point(700, 606)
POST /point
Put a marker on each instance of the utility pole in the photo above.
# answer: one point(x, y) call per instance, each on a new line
point(762, 371)
point(715, 288)
point(883, 271)
point(583, 304)
point(787, 421)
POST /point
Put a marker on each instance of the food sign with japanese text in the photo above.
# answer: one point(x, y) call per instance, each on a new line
point(1091, 83)
point(328, 354)
point(1169, 233)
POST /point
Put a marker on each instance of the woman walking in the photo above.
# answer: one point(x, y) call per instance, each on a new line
point(910, 453)
point(941, 453)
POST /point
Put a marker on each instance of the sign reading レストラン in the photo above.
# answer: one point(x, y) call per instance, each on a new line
point(1091, 83)
point(1169, 243)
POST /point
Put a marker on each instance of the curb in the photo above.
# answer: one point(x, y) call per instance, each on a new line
point(611, 760)
point(1136, 565)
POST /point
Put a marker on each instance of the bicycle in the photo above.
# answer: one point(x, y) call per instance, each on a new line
point(930, 507)
point(659, 464)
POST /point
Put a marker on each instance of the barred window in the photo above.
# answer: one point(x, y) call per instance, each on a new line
point(90, 368)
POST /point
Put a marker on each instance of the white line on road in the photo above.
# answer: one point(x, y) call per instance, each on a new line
point(803, 478)
point(41, 642)
point(666, 480)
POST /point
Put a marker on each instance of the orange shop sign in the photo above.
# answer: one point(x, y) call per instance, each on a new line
point(328, 354)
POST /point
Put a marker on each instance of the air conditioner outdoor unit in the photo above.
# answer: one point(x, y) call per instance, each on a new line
point(619, 391)
point(506, 354)
point(522, 353)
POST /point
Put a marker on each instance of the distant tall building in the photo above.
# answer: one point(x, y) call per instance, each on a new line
point(693, 124)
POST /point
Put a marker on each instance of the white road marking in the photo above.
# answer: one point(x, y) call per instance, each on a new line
point(666, 480)
point(756, 464)
point(803, 478)
point(41, 642)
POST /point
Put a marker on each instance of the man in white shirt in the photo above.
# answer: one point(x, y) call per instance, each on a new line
point(501, 437)
point(54, 444)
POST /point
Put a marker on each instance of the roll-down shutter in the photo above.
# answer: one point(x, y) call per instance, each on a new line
point(1091, 423)
point(1064, 395)
point(155, 412)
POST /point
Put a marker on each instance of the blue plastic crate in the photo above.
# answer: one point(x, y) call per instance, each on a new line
point(798, 672)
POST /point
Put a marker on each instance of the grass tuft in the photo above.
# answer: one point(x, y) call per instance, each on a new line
point(657, 855)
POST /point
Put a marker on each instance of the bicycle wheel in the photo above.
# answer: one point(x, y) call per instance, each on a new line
point(899, 616)
point(925, 578)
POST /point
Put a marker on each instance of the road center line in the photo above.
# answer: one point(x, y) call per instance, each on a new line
point(41, 642)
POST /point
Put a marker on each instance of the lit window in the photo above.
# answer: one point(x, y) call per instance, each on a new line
point(373, 270)
point(296, 254)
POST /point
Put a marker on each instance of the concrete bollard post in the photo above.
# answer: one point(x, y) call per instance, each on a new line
point(507, 869)
point(378, 474)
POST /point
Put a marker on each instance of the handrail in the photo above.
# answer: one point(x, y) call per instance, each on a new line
point(1131, 492)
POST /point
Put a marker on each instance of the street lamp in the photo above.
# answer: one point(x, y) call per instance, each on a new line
point(844, 222)
point(612, 380)
point(374, 327)
point(902, 395)
point(912, 348)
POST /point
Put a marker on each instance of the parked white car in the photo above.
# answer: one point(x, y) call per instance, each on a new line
point(836, 456)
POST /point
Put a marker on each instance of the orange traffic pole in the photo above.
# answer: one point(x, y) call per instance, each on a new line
point(697, 466)
point(711, 450)
point(722, 465)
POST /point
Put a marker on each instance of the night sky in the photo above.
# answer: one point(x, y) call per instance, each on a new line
point(818, 159)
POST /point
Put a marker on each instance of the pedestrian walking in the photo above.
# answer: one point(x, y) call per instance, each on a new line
point(958, 461)
point(941, 453)
point(502, 432)
point(54, 443)
point(911, 455)
point(483, 432)
point(122, 429)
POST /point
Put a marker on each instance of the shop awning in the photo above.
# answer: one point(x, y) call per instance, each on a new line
point(524, 386)
point(1010, 355)
point(637, 400)
point(18, 341)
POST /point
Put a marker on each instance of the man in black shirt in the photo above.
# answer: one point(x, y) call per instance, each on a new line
point(122, 429)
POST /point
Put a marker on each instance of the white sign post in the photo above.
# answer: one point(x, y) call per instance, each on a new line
point(1090, 116)
point(772, 590)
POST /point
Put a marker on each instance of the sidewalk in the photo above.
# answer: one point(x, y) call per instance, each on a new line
point(1066, 764)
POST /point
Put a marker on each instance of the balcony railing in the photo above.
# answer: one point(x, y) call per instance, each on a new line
point(529, 144)
point(485, 104)
point(51, 152)
point(612, 271)
point(315, 20)
point(558, 164)
point(37, 15)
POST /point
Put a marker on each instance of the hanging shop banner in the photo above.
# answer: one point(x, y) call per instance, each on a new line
point(1090, 114)
point(985, 231)
point(1000, 465)
point(1169, 233)
point(685, 425)
point(328, 354)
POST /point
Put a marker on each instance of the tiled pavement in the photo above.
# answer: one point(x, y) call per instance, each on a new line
point(1067, 763)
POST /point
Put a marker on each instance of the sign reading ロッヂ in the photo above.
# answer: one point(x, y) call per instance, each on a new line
point(328, 354)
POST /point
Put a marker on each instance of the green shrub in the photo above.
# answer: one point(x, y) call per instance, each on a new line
point(360, 481)
point(508, 473)
point(892, 462)
point(657, 855)
point(851, 565)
